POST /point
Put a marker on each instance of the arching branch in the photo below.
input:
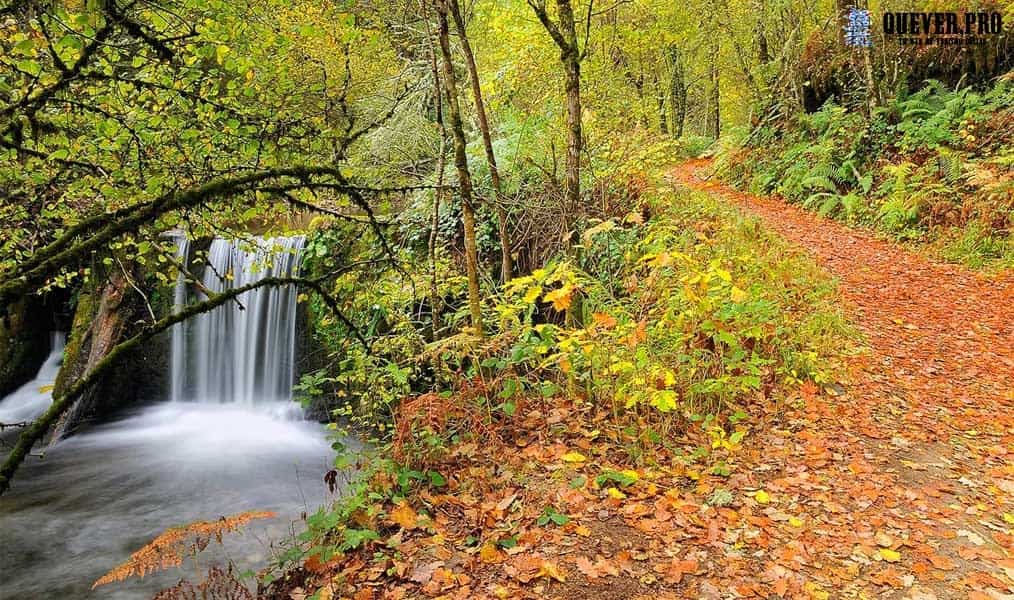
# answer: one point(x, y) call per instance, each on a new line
point(67, 251)
point(30, 435)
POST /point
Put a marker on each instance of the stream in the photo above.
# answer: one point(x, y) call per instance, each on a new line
point(99, 496)
point(228, 439)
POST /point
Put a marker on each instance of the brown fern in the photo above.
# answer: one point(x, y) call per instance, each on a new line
point(219, 584)
point(169, 548)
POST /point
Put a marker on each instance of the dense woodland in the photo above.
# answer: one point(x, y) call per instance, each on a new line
point(526, 283)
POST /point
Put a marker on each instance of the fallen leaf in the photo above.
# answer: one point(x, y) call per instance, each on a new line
point(889, 555)
point(573, 457)
point(404, 516)
point(548, 569)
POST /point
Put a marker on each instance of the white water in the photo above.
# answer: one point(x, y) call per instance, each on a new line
point(99, 496)
point(226, 443)
point(32, 399)
point(244, 351)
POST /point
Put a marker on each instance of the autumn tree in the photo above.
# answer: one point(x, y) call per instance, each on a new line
point(506, 266)
point(461, 165)
point(563, 31)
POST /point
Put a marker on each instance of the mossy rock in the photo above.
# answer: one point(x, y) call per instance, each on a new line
point(24, 343)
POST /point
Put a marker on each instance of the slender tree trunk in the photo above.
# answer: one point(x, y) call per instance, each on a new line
point(663, 125)
point(714, 113)
point(564, 34)
point(572, 66)
point(677, 91)
point(872, 89)
point(506, 265)
point(434, 237)
point(461, 164)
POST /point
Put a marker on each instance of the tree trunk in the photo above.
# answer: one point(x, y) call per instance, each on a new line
point(663, 125)
point(506, 266)
point(565, 36)
point(461, 164)
point(572, 66)
point(434, 237)
point(677, 91)
point(714, 127)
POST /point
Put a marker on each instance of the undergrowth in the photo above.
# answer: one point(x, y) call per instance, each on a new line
point(665, 334)
point(934, 166)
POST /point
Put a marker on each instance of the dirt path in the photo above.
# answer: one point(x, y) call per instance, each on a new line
point(899, 484)
point(917, 456)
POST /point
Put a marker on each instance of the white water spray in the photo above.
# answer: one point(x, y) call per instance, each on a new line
point(243, 351)
point(34, 397)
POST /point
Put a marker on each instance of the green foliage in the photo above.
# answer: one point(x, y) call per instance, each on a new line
point(704, 318)
point(550, 515)
point(915, 169)
point(976, 246)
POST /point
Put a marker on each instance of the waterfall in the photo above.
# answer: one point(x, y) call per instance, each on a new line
point(243, 351)
point(178, 365)
point(33, 398)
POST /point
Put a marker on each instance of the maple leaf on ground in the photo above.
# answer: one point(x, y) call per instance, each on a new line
point(674, 570)
point(423, 573)
point(405, 516)
point(587, 568)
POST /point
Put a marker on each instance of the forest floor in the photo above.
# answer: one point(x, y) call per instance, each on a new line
point(898, 482)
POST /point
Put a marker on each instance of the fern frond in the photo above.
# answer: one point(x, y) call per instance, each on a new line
point(168, 549)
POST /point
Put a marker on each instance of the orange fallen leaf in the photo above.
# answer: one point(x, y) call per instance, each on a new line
point(404, 516)
point(675, 570)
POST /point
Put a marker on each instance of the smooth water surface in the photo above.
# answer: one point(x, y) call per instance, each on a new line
point(101, 495)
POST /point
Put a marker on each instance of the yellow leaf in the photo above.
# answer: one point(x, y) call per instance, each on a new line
point(501, 592)
point(560, 298)
point(550, 570)
point(532, 294)
point(815, 592)
point(616, 494)
point(762, 497)
point(738, 295)
point(795, 522)
point(489, 554)
point(890, 555)
point(1009, 518)
point(582, 531)
point(573, 457)
point(602, 227)
point(404, 516)
point(630, 473)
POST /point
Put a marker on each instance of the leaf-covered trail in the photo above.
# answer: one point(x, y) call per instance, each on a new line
point(897, 484)
point(918, 452)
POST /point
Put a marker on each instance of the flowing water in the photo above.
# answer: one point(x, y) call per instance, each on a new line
point(225, 443)
point(31, 399)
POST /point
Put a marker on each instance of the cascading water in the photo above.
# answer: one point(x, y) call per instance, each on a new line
point(219, 449)
point(32, 399)
point(244, 351)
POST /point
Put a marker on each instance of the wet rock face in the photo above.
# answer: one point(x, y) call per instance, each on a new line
point(108, 312)
point(24, 343)
point(312, 356)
